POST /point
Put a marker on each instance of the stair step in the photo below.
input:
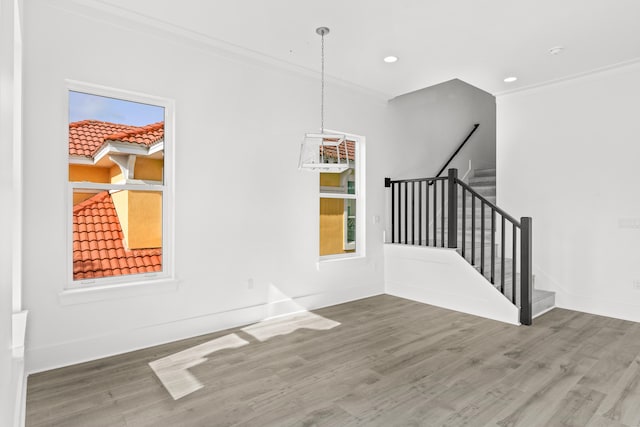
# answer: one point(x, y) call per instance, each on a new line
point(482, 180)
point(484, 172)
point(542, 301)
point(485, 190)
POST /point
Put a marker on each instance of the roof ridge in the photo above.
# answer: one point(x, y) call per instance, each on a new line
point(92, 121)
point(91, 200)
point(138, 130)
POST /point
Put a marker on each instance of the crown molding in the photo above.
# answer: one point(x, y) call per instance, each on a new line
point(128, 19)
point(550, 83)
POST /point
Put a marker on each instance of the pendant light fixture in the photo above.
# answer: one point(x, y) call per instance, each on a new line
point(322, 151)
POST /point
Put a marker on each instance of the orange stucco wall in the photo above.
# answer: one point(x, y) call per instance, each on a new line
point(150, 169)
point(140, 215)
point(331, 226)
point(87, 173)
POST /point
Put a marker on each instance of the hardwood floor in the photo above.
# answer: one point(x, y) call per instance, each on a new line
point(390, 362)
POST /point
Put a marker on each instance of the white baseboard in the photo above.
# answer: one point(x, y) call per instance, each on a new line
point(97, 347)
point(19, 413)
point(599, 306)
point(18, 329)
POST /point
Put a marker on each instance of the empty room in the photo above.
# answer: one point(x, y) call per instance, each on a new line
point(336, 213)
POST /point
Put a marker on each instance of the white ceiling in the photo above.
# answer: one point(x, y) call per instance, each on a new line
point(478, 41)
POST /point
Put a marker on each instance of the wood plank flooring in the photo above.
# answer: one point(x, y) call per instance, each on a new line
point(390, 362)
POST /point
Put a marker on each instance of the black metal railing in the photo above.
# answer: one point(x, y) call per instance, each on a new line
point(455, 153)
point(436, 212)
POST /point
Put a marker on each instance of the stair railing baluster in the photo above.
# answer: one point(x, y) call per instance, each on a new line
point(493, 246)
point(482, 237)
point(513, 264)
point(442, 213)
point(473, 229)
point(435, 213)
point(413, 213)
point(452, 206)
point(426, 222)
point(420, 213)
point(464, 221)
point(393, 211)
point(502, 255)
point(406, 213)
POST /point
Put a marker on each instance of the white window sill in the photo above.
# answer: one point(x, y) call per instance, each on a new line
point(331, 259)
point(115, 291)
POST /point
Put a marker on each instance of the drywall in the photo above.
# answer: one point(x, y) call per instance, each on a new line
point(11, 320)
point(432, 122)
point(567, 155)
point(246, 220)
point(441, 277)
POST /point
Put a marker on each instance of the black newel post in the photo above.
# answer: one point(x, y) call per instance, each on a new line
point(526, 270)
point(387, 184)
point(452, 216)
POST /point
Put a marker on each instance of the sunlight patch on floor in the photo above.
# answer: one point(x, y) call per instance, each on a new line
point(173, 370)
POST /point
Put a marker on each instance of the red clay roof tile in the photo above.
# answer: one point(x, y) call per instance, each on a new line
point(103, 254)
point(88, 136)
point(330, 151)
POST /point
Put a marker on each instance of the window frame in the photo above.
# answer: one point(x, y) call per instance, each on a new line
point(358, 196)
point(121, 282)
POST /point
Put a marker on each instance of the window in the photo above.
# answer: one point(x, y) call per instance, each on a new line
point(341, 228)
point(119, 160)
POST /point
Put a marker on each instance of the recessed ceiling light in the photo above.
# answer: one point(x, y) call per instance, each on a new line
point(556, 50)
point(510, 79)
point(390, 59)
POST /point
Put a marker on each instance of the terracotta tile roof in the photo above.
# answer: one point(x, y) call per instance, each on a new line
point(98, 248)
point(86, 137)
point(331, 151)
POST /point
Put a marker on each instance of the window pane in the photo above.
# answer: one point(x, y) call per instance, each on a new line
point(114, 141)
point(337, 226)
point(116, 233)
point(344, 182)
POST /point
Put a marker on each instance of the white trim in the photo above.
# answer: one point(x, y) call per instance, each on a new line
point(18, 330)
point(113, 147)
point(115, 187)
point(83, 295)
point(341, 257)
point(126, 163)
point(158, 146)
point(102, 11)
point(359, 197)
point(338, 196)
point(20, 410)
point(577, 76)
point(111, 287)
point(81, 160)
point(16, 221)
point(121, 341)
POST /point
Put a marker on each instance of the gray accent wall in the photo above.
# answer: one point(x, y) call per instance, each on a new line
point(431, 123)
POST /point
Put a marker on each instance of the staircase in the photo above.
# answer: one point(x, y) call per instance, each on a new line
point(483, 182)
point(424, 210)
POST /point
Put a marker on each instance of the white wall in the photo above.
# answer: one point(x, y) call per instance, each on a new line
point(432, 122)
point(568, 156)
point(443, 278)
point(243, 210)
point(11, 362)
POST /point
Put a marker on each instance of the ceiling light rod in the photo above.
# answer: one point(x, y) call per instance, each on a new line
point(322, 31)
point(318, 149)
